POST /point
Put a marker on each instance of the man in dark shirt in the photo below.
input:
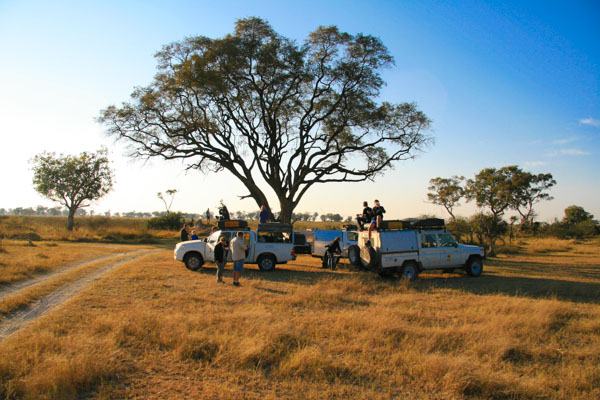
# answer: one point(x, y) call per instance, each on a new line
point(183, 234)
point(365, 216)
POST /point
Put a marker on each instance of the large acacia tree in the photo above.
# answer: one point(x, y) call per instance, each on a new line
point(73, 181)
point(268, 109)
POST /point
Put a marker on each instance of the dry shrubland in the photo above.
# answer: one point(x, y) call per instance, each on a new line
point(529, 328)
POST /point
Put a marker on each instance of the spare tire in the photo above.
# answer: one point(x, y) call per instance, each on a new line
point(354, 255)
point(368, 257)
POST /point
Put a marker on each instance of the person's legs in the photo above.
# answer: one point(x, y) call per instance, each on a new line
point(371, 226)
point(379, 219)
point(238, 267)
point(220, 268)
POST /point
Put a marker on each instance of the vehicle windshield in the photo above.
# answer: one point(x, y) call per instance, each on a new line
point(446, 240)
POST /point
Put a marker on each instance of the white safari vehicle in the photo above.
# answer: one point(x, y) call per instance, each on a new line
point(269, 245)
point(411, 246)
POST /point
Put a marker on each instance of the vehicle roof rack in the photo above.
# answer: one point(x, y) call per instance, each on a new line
point(414, 223)
point(232, 224)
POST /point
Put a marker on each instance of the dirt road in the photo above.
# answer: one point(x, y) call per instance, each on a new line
point(34, 310)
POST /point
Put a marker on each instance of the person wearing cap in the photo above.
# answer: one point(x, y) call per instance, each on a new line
point(378, 212)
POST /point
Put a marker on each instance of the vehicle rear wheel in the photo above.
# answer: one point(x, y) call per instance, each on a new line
point(409, 271)
point(266, 262)
point(354, 255)
point(368, 257)
point(193, 261)
point(474, 267)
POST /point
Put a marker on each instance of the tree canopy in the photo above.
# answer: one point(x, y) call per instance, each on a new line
point(446, 192)
point(270, 110)
point(73, 181)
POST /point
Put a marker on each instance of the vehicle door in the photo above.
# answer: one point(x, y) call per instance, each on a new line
point(349, 239)
point(429, 251)
point(450, 255)
point(212, 242)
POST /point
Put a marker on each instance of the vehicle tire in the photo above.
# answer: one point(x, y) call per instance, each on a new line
point(193, 261)
point(266, 262)
point(409, 271)
point(474, 266)
point(368, 257)
point(354, 255)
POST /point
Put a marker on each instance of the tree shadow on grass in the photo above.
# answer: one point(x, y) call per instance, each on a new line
point(492, 282)
point(519, 286)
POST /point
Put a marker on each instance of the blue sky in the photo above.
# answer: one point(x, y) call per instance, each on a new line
point(510, 83)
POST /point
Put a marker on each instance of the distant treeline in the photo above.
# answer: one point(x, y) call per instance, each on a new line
point(246, 215)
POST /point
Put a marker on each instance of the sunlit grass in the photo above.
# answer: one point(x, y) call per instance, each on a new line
point(156, 330)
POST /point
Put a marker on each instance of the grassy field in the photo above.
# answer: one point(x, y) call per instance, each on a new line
point(529, 328)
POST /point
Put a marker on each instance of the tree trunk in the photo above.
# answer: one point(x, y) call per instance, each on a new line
point(70, 218)
point(287, 208)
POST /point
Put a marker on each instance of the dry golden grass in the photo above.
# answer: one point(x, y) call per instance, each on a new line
point(529, 328)
point(22, 259)
point(104, 229)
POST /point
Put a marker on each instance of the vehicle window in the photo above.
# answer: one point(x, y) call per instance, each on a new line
point(446, 240)
point(271, 237)
point(428, 240)
point(352, 236)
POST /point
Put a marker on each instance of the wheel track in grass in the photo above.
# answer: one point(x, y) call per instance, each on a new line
point(12, 289)
point(36, 309)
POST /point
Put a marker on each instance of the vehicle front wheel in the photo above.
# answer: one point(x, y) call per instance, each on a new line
point(266, 262)
point(193, 261)
point(474, 267)
point(409, 271)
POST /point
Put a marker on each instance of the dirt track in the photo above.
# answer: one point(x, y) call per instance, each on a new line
point(38, 308)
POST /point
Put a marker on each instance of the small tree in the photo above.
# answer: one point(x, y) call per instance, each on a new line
point(171, 193)
point(446, 192)
point(575, 215)
point(73, 181)
point(529, 189)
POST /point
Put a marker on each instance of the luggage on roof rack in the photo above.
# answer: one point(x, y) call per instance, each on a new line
point(232, 224)
point(414, 223)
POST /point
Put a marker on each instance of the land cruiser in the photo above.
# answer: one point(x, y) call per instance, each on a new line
point(269, 245)
point(411, 246)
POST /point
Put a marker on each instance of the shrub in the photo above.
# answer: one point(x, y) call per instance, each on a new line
point(172, 222)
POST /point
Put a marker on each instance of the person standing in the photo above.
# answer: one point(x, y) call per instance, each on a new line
point(183, 234)
point(238, 254)
point(365, 217)
point(331, 249)
point(207, 216)
point(221, 257)
point(264, 215)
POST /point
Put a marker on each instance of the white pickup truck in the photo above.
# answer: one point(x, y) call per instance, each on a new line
point(270, 245)
point(410, 251)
